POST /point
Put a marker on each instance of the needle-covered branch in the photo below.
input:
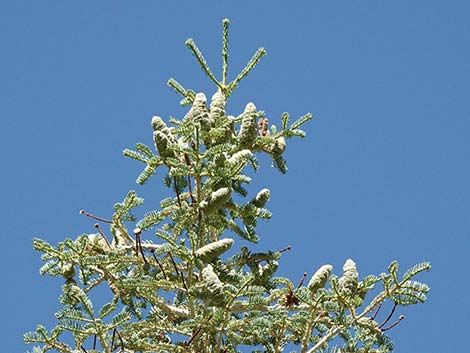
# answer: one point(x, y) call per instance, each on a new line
point(182, 281)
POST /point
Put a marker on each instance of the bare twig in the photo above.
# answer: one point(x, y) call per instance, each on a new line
point(193, 336)
point(287, 248)
point(175, 181)
point(112, 340)
point(95, 217)
point(138, 244)
point(159, 264)
point(376, 311)
point(389, 316)
point(174, 264)
point(121, 341)
point(189, 164)
point(97, 226)
point(177, 271)
point(302, 280)
point(195, 333)
point(401, 317)
point(325, 339)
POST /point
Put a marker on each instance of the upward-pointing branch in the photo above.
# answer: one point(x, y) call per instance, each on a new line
point(225, 24)
point(197, 53)
point(251, 64)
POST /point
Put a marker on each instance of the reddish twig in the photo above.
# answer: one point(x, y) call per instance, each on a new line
point(188, 163)
point(401, 317)
point(120, 339)
point(138, 245)
point(159, 265)
point(287, 248)
point(193, 200)
point(389, 316)
point(178, 272)
point(376, 311)
point(112, 340)
point(175, 181)
point(97, 226)
point(95, 217)
point(302, 280)
point(195, 333)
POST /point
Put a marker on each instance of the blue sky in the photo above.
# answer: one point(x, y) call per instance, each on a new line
point(382, 175)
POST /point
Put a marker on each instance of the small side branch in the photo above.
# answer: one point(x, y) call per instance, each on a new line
point(251, 64)
point(197, 53)
point(95, 217)
point(287, 248)
point(376, 311)
point(195, 333)
point(97, 226)
point(180, 274)
point(121, 341)
point(389, 316)
point(177, 190)
point(112, 340)
point(159, 265)
point(138, 244)
point(225, 24)
point(302, 280)
point(325, 339)
point(400, 318)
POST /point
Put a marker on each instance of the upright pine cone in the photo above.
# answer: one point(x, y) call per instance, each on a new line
point(320, 278)
point(349, 281)
point(199, 112)
point(162, 137)
point(248, 132)
point(212, 251)
point(217, 108)
point(215, 200)
point(213, 287)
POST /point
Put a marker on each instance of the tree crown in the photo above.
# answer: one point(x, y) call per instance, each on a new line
point(181, 291)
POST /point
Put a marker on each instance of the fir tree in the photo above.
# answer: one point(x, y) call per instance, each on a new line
point(179, 290)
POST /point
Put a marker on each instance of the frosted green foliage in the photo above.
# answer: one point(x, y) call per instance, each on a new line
point(177, 284)
point(319, 278)
point(247, 134)
point(213, 287)
point(68, 271)
point(265, 272)
point(369, 324)
point(97, 242)
point(280, 145)
point(261, 198)
point(240, 157)
point(212, 251)
point(76, 295)
point(216, 200)
point(349, 281)
point(170, 310)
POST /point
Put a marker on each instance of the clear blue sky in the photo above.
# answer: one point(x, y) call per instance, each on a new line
point(383, 174)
